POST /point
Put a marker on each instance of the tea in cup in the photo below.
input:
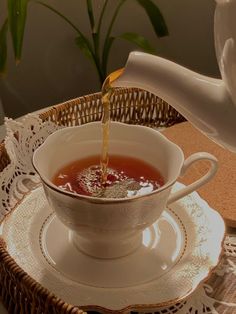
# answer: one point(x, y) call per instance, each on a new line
point(125, 177)
point(111, 225)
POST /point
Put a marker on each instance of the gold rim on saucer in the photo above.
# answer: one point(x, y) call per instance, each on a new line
point(199, 249)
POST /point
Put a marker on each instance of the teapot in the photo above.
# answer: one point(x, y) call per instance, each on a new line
point(208, 103)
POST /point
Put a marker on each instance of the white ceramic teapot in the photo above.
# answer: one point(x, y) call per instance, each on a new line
point(208, 103)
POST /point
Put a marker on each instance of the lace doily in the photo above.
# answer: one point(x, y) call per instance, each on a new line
point(217, 295)
point(19, 176)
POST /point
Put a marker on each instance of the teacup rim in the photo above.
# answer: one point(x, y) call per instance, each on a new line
point(99, 200)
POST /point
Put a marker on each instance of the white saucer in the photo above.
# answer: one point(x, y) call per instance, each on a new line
point(178, 252)
point(162, 247)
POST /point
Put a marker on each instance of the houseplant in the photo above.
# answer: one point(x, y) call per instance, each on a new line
point(94, 47)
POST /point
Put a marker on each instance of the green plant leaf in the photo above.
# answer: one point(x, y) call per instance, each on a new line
point(3, 47)
point(138, 40)
point(81, 41)
point(92, 25)
point(61, 15)
point(101, 16)
point(83, 46)
point(90, 14)
point(17, 12)
point(155, 16)
point(109, 39)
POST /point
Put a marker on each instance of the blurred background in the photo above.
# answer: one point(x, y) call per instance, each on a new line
point(53, 69)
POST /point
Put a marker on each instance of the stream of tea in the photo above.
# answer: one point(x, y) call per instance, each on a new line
point(107, 91)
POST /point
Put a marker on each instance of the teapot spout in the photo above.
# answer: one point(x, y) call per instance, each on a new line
point(202, 100)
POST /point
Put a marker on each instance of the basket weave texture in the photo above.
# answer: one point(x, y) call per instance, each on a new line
point(18, 291)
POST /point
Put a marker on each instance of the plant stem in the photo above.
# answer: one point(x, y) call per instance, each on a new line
point(101, 16)
point(114, 17)
point(102, 75)
point(94, 35)
point(95, 38)
point(100, 24)
point(99, 71)
point(106, 46)
point(90, 14)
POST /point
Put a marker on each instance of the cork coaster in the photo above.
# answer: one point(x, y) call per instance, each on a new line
point(220, 192)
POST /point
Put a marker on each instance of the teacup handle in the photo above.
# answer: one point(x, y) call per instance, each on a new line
point(196, 184)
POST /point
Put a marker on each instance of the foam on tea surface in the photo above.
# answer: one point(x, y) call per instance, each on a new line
point(117, 185)
point(126, 177)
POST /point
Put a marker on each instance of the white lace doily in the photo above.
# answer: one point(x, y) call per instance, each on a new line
point(217, 295)
point(19, 176)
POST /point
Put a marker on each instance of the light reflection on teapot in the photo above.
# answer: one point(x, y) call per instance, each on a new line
point(208, 103)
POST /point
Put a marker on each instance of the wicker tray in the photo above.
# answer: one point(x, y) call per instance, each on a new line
point(18, 291)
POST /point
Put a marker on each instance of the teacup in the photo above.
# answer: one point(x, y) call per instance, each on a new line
point(111, 227)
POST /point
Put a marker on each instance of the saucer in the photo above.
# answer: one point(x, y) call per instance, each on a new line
point(163, 245)
point(178, 252)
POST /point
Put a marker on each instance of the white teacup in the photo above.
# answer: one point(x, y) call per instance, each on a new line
point(109, 228)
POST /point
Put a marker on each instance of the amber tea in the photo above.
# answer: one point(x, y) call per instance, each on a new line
point(107, 91)
point(126, 177)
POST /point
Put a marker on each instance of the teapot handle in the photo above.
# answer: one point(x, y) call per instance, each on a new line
point(198, 183)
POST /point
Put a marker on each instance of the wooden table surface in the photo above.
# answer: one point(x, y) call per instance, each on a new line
point(220, 192)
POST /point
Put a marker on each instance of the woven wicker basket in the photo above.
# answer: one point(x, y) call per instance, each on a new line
point(18, 291)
